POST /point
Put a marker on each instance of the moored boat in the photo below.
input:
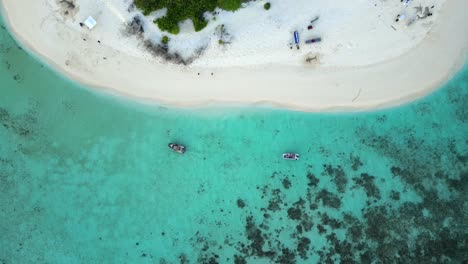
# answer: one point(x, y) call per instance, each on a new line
point(177, 148)
point(290, 156)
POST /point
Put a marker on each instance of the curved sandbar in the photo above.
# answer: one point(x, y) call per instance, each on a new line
point(38, 26)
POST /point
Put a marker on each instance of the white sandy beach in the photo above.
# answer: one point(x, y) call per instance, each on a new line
point(365, 60)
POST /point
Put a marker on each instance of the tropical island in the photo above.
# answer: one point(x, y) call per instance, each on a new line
point(329, 55)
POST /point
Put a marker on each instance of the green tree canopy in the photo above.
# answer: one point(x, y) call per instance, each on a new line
point(180, 10)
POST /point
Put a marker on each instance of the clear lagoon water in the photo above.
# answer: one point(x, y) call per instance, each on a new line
point(88, 178)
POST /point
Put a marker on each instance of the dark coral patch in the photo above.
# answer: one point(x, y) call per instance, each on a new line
point(303, 247)
point(356, 162)
point(287, 257)
point(240, 203)
point(313, 181)
point(377, 227)
point(367, 182)
point(327, 220)
point(338, 176)
point(239, 260)
point(276, 199)
point(294, 213)
point(328, 199)
point(394, 195)
point(257, 241)
point(286, 183)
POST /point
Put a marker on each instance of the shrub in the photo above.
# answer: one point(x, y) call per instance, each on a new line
point(169, 24)
point(165, 40)
point(229, 5)
point(267, 6)
point(199, 24)
point(180, 10)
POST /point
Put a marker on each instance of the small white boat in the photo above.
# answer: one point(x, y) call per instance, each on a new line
point(290, 156)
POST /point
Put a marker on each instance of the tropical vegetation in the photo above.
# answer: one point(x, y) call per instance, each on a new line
point(180, 10)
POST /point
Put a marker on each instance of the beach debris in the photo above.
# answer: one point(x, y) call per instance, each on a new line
point(296, 38)
point(311, 22)
point(131, 8)
point(411, 21)
point(68, 8)
point(223, 36)
point(357, 96)
point(419, 9)
point(136, 26)
point(315, 19)
point(406, 2)
point(420, 14)
point(90, 22)
point(400, 17)
point(310, 59)
point(313, 40)
point(69, 4)
point(296, 34)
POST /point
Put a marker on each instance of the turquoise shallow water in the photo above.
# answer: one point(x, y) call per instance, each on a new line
point(88, 178)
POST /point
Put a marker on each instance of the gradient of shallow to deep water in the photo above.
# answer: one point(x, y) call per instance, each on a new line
point(85, 178)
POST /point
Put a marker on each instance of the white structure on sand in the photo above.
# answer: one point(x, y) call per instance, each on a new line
point(90, 22)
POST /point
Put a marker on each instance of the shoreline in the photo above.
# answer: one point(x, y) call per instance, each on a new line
point(390, 83)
